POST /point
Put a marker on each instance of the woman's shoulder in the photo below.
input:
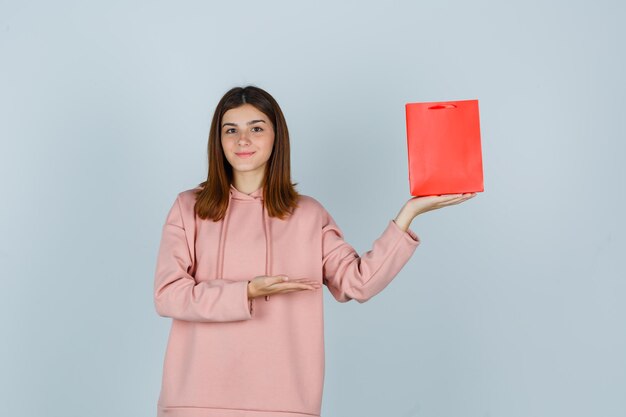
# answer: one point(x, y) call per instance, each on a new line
point(187, 199)
point(308, 201)
point(310, 204)
point(189, 194)
point(312, 208)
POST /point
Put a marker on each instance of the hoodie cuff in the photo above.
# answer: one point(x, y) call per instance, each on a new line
point(250, 302)
point(409, 236)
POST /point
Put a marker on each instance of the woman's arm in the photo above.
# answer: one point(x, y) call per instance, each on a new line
point(178, 295)
point(353, 276)
point(349, 275)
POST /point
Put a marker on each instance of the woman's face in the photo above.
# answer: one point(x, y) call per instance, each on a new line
point(247, 138)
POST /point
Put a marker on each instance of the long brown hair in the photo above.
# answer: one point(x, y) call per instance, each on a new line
point(279, 195)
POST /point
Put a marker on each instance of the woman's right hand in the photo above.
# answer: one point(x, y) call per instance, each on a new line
point(277, 284)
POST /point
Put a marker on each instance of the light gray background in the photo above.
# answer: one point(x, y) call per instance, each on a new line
point(513, 305)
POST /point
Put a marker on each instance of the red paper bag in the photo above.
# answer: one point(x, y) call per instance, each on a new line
point(443, 140)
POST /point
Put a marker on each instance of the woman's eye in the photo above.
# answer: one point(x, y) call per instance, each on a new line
point(257, 127)
point(229, 130)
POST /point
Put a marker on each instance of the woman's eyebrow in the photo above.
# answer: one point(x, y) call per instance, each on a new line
point(249, 123)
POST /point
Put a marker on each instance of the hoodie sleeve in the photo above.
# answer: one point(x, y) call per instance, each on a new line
point(350, 276)
point(176, 292)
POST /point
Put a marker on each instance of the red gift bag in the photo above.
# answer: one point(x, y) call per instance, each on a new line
point(443, 140)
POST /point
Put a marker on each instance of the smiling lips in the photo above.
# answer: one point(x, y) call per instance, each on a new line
point(244, 154)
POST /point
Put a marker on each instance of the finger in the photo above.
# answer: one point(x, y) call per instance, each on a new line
point(299, 289)
point(451, 202)
point(281, 285)
point(287, 290)
point(455, 201)
point(302, 280)
point(468, 196)
point(458, 195)
point(304, 285)
point(444, 200)
point(452, 199)
point(278, 279)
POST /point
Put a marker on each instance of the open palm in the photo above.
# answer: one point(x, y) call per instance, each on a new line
point(420, 205)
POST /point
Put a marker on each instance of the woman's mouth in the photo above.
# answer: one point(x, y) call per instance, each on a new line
point(244, 154)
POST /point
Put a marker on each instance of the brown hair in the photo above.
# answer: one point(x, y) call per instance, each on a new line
point(279, 195)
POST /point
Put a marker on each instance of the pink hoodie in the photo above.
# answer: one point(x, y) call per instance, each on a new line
point(228, 356)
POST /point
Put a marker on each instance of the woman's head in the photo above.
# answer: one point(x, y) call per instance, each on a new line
point(247, 142)
point(270, 141)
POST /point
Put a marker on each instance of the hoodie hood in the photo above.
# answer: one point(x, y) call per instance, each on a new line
point(238, 195)
point(256, 197)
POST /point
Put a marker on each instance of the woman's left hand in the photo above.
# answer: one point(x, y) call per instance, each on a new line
point(419, 205)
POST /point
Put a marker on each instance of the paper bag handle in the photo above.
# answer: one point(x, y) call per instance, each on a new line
point(442, 106)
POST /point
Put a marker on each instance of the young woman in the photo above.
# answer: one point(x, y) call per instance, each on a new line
point(240, 270)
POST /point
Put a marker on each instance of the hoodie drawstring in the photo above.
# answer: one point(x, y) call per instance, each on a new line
point(223, 232)
point(220, 247)
point(268, 251)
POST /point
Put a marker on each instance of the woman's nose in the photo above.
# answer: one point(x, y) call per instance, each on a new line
point(243, 138)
